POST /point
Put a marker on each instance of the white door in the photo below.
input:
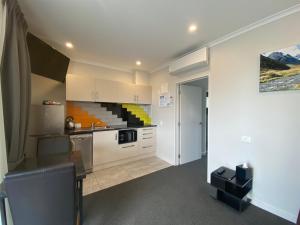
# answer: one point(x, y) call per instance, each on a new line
point(190, 123)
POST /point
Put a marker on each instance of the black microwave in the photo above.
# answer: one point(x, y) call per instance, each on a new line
point(127, 136)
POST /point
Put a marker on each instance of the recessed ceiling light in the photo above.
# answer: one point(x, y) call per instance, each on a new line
point(69, 45)
point(193, 28)
point(138, 63)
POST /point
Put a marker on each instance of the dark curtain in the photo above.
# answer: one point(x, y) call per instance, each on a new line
point(16, 83)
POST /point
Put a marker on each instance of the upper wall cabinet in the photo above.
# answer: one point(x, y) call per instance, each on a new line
point(89, 89)
point(106, 91)
point(143, 94)
point(80, 88)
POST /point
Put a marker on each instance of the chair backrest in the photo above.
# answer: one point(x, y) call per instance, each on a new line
point(53, 145)
point(44, 196)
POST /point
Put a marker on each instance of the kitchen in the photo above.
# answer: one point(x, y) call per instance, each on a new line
point(110, 120)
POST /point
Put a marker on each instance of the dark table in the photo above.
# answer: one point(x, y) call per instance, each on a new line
point(47, 161)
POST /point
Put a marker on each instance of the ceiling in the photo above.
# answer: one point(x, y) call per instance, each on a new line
point(119, 32)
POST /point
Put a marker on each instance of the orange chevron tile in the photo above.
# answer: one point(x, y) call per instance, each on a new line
point(81, 116)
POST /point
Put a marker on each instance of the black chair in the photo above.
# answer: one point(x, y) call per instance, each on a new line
point(51, 145)
point(45, 196)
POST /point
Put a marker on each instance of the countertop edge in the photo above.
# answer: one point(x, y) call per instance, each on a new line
point(87, 131)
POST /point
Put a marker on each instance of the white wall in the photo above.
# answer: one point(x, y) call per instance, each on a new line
point(237, 108)
point(44, 88)
point(141, 78)
point(271, 119)
point(165, 117)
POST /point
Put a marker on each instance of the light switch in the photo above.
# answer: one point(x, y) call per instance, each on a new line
point(246, 139)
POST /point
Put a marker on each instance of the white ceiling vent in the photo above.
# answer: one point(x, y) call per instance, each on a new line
point(193, 60)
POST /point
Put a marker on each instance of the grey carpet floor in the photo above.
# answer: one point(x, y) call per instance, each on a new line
point(173, 196)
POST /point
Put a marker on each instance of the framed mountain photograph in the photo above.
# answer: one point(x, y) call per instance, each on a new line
point(280, 70)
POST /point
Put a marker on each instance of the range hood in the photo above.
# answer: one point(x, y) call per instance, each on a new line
point(45, 60)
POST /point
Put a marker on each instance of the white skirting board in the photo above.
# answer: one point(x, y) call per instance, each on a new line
point(171, 162)
point(271, 209)
point(278, 212)
point(124, 161)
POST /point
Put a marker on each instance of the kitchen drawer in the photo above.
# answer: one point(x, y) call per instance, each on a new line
point(128, 146)
point(146, 137)
point(147, 141)
point(148, 134)
point(147, 148)
point(147, 129)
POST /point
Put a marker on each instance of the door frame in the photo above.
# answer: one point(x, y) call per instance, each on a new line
point(177, 111)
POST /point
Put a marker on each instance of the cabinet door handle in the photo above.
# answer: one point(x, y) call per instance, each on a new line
point(129, 146)
point(147, 138)
point(149, 146)
point(116, 137)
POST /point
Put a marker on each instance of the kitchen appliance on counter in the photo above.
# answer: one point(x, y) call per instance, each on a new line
point(127, 136)
point(69, 123)
point(84, 144)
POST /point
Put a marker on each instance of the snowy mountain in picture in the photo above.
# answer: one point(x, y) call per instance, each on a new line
point(280, 70)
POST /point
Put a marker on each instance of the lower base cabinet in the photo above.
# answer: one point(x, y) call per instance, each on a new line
point(147, 138)
point(107, 151)
point(105, 146)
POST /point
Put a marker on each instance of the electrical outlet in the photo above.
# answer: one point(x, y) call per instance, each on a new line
point(246, 139)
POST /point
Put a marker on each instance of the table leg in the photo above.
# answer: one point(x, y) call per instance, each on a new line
point(80, 197)
point(3, 211)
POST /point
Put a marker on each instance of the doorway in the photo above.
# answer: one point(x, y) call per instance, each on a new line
point(192, 120)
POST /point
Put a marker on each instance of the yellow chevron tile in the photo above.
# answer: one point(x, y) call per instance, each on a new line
point(138, 112)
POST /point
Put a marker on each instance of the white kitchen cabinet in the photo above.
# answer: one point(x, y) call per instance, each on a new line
point(107, 150)
point(106, 90)
point(133, 146)
point(80, 88)
point(105, 147)
point(147, 138)
point(143, 94)
point(121, 92)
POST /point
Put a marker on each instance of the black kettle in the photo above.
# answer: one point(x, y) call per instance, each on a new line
point(69, 123)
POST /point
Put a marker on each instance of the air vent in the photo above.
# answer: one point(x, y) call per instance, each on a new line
point(193, 60)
